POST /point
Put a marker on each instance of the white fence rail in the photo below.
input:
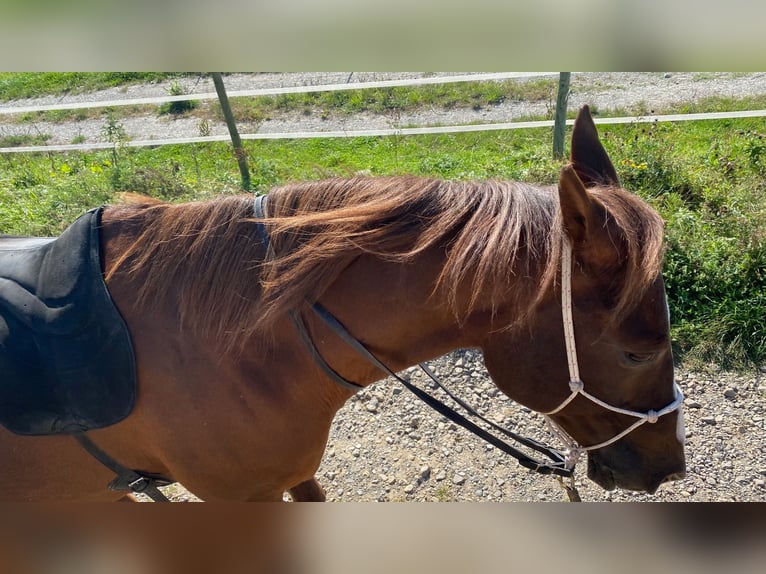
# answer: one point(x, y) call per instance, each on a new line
point(386, 132)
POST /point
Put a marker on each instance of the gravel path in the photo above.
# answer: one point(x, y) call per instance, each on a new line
point(387, 446)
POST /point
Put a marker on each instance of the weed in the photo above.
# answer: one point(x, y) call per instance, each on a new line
point(204, 128)
point(755, 150)
point(180, 106)
point(114, 133)
point(162, 183)
point(444, 493)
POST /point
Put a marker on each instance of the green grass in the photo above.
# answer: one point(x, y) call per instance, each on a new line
point(381, 101)
point(68, 116)
point(20, 140)
point(476, 95)
point(707, 179)
point(15, 86)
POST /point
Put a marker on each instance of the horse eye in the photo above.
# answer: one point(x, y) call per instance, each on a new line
point(639, 357)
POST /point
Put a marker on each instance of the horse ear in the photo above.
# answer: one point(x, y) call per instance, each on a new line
point(589, 158)
point(580, 212)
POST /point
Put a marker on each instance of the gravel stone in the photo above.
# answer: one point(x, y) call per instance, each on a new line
point(713, 474)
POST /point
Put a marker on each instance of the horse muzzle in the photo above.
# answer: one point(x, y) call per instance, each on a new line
point(609, 478)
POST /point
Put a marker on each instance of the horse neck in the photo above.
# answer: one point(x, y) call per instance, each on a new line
point(393, 310)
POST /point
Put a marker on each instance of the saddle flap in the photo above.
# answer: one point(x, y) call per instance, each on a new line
point(65, 351)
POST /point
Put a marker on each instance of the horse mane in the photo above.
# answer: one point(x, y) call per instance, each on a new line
point(494, 234)
point(319, 229)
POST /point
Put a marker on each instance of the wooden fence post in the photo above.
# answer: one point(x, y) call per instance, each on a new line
point(239, 151)
point(559, 125)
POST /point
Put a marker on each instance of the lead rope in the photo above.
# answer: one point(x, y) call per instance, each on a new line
point(570, 489)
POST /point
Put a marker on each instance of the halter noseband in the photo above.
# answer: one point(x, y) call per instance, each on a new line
point(577, 387)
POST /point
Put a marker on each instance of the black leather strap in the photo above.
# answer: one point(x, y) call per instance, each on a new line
point(317, 356)
point(259, 208)
point(531, 443)
point(557, 467)
point(126, 480)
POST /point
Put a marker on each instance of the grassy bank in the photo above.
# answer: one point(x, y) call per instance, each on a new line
point(384, 101)
point(706, 178)
point(389, 102)
point(16, 86)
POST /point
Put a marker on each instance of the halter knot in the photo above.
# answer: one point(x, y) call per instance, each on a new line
point(651, 416)
point(575, 385)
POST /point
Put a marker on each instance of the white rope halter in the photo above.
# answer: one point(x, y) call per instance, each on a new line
point(574, 450)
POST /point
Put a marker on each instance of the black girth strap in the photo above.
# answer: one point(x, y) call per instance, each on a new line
point(127, 480)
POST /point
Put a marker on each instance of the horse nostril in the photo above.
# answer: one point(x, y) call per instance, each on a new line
point(675, 476)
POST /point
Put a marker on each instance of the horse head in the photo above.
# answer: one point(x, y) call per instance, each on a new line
point(613, 393)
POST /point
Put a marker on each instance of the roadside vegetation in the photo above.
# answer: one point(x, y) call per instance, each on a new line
point(707, 179)
point(475, 95)
point(16, 86)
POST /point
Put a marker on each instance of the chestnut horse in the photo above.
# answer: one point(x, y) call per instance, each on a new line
point(232, 403)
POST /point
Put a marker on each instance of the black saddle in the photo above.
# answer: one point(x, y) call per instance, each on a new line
point(66, 358)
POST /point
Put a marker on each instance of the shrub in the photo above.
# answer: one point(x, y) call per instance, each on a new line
point(708, 185)
point(178, 107)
